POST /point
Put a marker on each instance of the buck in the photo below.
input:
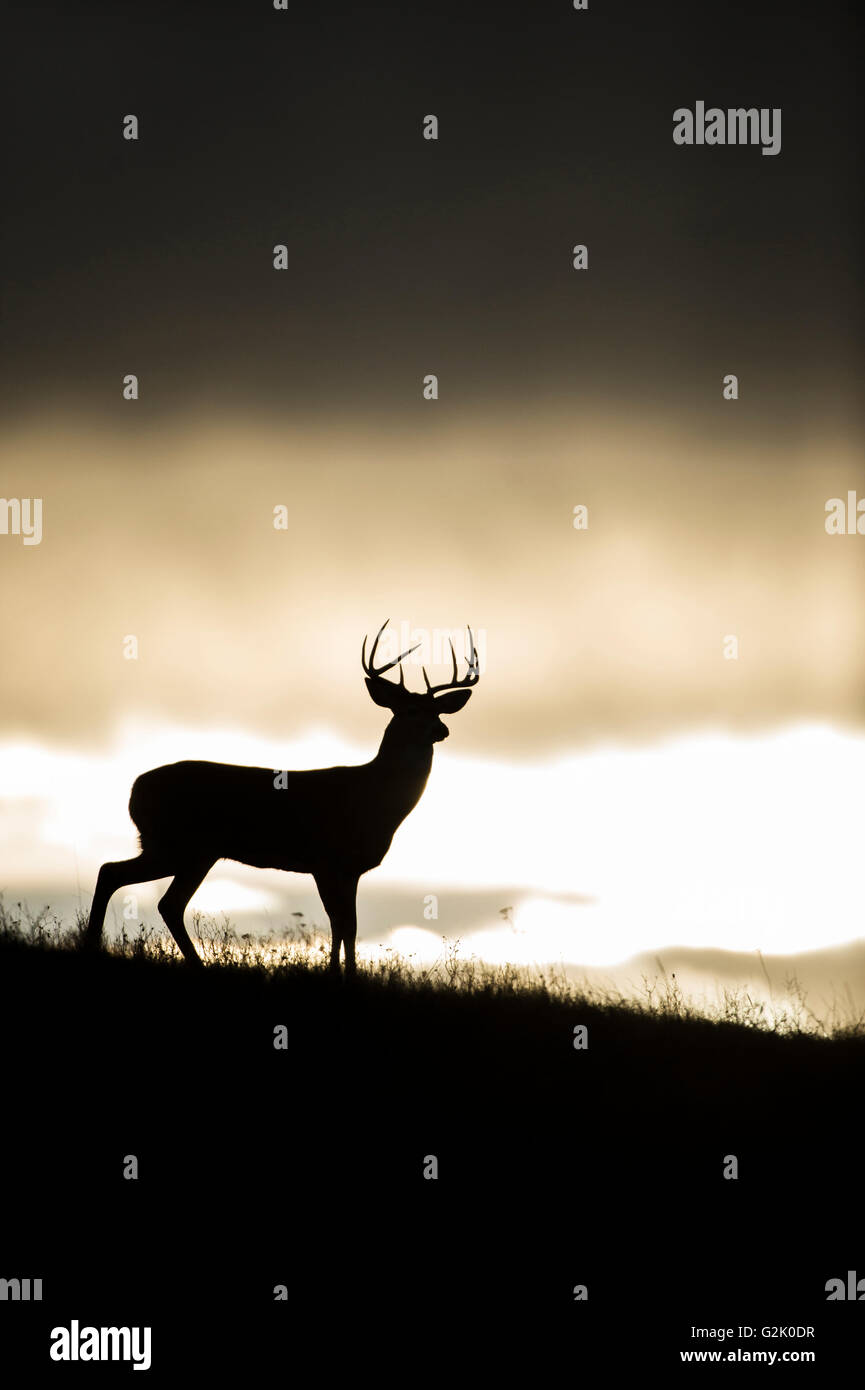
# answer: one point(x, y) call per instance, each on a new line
point(335, 823)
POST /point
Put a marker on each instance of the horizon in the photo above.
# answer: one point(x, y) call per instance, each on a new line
point(693, 904)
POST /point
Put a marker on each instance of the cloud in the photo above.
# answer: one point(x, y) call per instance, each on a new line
point(615, 631)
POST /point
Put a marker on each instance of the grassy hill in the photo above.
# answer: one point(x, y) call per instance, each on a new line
point(556, 1165)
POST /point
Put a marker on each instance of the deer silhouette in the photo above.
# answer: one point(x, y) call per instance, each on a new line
point(335, 823)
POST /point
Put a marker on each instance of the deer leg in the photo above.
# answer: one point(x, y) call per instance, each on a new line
point(338, 893)
point(174, 902)
point(146, 867)
point(349, 929)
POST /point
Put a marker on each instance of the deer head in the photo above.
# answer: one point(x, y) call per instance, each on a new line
point(418, 713)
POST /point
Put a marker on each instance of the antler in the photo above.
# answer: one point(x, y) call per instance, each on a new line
point(373, 671)
point(471, 677)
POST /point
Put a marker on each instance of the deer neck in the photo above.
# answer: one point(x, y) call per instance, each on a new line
point(404, 767)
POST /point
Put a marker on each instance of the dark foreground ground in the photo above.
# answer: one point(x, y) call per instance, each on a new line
point(304, 1167)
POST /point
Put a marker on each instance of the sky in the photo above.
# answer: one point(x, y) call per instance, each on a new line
point(597, 753)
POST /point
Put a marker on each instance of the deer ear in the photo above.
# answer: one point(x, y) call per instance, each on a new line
point(454, 700)
point(385, 693)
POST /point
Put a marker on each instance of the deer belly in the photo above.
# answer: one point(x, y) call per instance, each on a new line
point(306, 847)
point(275, 856)
point(293, 853)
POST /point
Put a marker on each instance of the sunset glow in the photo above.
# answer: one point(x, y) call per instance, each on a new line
point(702, 841)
